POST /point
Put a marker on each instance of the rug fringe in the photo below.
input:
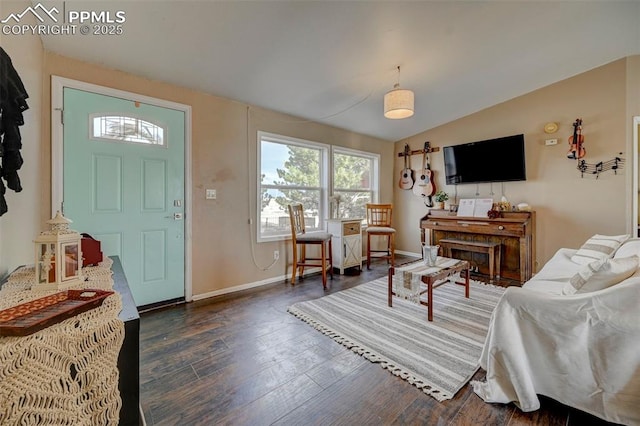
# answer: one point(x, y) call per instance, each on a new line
point(428, 389)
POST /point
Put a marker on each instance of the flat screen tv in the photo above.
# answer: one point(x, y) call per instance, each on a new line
point(492, 160)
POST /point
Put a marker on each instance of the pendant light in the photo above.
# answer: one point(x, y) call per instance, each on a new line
point(398, 103)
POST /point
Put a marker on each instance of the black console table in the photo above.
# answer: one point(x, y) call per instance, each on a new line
point(129, 359)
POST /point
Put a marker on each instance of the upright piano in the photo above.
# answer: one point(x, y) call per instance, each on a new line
point(514, 231)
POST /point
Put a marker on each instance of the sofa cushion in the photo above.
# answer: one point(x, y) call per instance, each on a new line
point(546, 286)
point(628, 248)
point(601, 274)
point(598, 247)
point(559, 267)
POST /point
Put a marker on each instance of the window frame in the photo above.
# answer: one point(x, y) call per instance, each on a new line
point(100, 115)
point(375, 172)
point(326, 189)
point(324, 176)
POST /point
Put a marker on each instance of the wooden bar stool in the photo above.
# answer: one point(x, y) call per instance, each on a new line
point(300, 237)
point(379, 223)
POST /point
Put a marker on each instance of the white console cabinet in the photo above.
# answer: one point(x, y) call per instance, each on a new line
point(346, 243)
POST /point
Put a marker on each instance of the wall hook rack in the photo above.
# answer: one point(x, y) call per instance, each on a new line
point(419, 151)
point(614, 164)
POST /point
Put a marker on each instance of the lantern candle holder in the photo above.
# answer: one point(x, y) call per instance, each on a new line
point(58, 256)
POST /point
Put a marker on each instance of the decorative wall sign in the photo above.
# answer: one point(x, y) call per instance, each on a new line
point(614, 164)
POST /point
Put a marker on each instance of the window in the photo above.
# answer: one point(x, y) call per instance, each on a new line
point(121, 128)
point(291, 171)
point(355, 182)
point(298, 171)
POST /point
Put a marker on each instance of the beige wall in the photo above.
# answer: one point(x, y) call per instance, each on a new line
point(22, 223)
point(224, 158)
point(569, 208)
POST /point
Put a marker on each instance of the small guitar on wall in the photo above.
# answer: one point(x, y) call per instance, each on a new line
point(406, 176)
point(424, 186)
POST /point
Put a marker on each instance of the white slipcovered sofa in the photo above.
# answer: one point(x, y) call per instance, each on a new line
point(582, 349)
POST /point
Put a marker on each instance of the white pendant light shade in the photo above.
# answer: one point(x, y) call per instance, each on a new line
point(398, 103)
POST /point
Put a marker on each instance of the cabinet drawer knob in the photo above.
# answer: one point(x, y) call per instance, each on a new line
point(501, 227)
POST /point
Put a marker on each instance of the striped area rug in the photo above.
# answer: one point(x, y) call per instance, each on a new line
point(438, 357)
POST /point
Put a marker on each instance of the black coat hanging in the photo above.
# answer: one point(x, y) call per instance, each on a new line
point(13, 102)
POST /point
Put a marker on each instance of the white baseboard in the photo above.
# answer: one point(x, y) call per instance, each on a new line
point(408, 253)
point(273, 280)
point(143, 421)
point(249, 285)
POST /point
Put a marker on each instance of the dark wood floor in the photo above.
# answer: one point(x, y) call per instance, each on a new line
point(241, 359)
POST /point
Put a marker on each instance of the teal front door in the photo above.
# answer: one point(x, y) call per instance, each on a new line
point(123, 183)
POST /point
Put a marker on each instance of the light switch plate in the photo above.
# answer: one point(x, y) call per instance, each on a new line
point(211, 194)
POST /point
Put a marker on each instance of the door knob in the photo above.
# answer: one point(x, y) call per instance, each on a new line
point(175, 216)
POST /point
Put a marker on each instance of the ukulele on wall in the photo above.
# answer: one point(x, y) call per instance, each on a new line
point(406, 175)
point(576, 147)
point(424, 186)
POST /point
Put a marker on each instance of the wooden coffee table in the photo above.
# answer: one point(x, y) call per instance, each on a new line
point(430, 275)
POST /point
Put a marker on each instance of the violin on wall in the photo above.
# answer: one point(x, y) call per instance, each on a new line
point(576, 142)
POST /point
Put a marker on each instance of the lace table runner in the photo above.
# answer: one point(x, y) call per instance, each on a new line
point(65, 374)
point(409, 286)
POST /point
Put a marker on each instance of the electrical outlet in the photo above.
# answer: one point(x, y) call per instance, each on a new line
point(210, 194)
point(276, 255)
point(551, 142)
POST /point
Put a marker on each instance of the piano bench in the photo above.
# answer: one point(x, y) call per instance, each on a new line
point(492, 249)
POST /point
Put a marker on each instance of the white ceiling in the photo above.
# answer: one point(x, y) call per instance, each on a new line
point(332, 61)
